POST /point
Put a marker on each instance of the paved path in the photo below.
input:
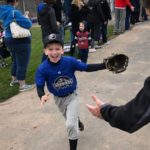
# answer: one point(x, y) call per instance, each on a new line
point(25, 125)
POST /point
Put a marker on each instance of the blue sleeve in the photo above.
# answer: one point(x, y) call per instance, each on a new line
point(21, 20)
point(78, 65)
point(40, 78)
point(40, 7)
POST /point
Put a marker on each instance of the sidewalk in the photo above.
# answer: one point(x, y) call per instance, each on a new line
point(25, 125)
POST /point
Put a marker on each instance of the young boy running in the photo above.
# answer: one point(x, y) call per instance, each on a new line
point(58, 72)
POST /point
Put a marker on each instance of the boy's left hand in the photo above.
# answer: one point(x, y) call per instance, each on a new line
point(44, 98)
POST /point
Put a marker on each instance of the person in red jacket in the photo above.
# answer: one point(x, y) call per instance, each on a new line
point(120, 13)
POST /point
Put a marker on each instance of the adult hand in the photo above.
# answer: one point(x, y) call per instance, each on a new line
point(95, 110)
point(44, 98)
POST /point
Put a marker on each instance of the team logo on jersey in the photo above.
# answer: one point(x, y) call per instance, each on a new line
point(62, 82)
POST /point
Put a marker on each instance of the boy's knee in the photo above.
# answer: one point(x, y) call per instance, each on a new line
point(70, 126)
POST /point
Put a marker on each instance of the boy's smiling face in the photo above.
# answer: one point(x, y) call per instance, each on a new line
point(54, 51)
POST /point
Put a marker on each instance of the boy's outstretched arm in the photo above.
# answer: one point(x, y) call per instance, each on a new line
point(95, 67)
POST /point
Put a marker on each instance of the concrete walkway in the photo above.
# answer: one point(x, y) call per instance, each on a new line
point(25, 125)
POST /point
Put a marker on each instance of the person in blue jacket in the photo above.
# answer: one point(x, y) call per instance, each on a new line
point(58, 72)
point(20, 48)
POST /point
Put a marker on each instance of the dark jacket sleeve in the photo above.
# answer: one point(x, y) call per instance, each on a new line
point(53, 21)
point(95, 67)
point(58, 10)
point(40, 91)
point(106, 10)
point(133, 115)
point(99, 11)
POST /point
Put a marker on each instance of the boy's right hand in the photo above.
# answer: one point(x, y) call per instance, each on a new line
point(44, 98)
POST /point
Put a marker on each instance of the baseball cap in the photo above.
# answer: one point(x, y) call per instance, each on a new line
point(52, 38)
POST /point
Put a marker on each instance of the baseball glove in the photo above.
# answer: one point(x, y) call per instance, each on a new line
point(116, 63)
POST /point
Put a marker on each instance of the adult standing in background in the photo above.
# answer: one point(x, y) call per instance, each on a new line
point(58, 12)
point(107, 16)
point(20, 48)
point(47, 19)
point(136, 13)
point(128, 16)
point(120, 13)
point(95, 18)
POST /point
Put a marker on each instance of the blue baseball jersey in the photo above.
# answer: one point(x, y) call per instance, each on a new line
point(60, 77)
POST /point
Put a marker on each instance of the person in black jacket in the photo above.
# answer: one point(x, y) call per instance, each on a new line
point(95, 18)
point(58, 12)
point(131, 116)
point(136, 13)
point(47, 19)
point(107, 16)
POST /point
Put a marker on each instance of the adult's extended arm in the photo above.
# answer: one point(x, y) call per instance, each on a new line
point(133, 115)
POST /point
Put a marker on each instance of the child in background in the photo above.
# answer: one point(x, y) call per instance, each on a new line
point(82, 38)
point(58, 72)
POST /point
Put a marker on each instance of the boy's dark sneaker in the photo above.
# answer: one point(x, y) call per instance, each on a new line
point(81, 126)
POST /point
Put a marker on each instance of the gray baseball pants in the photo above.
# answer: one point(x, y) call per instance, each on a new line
point(69, 107)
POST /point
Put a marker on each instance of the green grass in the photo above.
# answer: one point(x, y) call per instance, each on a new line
point(5, 90)
point(110, 32)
